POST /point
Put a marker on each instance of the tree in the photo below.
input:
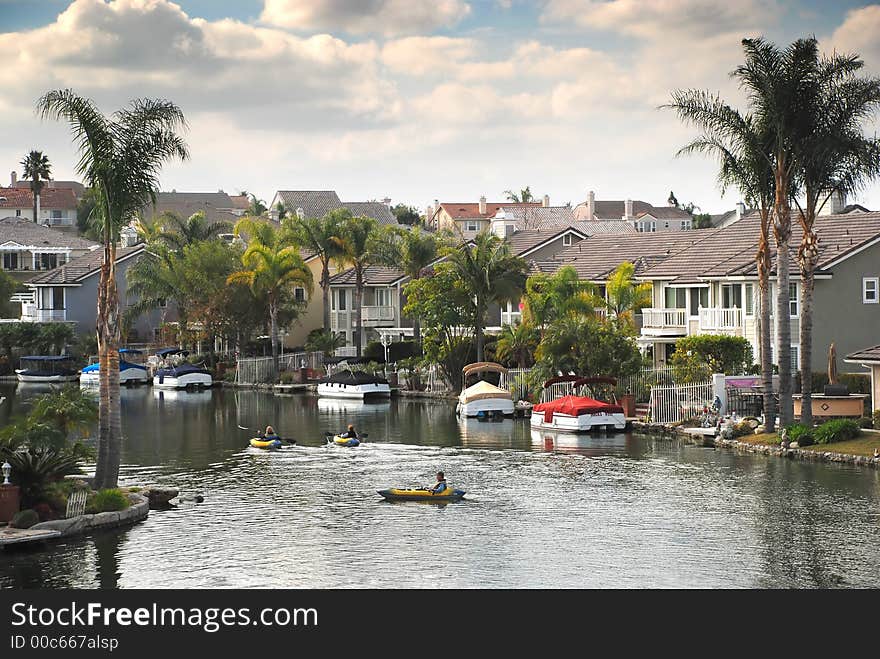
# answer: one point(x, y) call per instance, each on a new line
point(408, 215)
point(319, 236)
point(36, 167)
point(157, 279)
point(411, 250)
point(589, 346)
point(490, 274)
point(8, 286)
point(177, 233)
point(272, 268)
point(84, 218)
point(700, 355)
point(257, 207)
point(523, 197)
point(517, 343)
point(624, 296)
point(120, 157)
point(359, 247)
point(833, 156)
point(281, 209)
point(320, 340)
point(549, 297)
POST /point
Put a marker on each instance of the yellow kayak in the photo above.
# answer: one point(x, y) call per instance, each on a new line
point(420, 494)
point(266, 443)
point(345, 441)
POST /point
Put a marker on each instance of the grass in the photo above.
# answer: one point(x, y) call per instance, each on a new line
point(863, 445)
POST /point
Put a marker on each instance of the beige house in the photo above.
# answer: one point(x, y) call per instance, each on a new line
point(468, 219)
point(644, 217)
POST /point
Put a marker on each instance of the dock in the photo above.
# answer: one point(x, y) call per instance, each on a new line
point(292, 388)
point(11, 536)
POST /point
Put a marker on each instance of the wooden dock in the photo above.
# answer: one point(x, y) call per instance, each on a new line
point(10, 536)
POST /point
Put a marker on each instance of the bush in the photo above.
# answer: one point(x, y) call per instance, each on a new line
point(742, 429)
point(24, 519)
point(876, 418)
point(56, 494)
point(837, 430)
point(694, 355)
point(801, 434)
point(287, 377)
point(107, 501)
point(374, 352)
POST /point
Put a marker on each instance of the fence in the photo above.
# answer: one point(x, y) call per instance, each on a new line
point(639, 384)
point(516, 380)
point(254, 370)
point(674, 403)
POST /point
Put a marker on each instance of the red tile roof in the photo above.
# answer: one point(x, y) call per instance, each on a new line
point(472, 211)
point(50, 198)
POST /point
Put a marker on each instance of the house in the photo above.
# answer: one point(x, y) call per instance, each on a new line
point(69, 294)
point(870, 359)
point(317, 203)
point(217, 206)
point(26, 248)
point(383, 301)
point(644, 217)
point(76, 187)
point(509, 219)
point(706, 282)
point(726, 219)
point(468, 219)
point(56, 208)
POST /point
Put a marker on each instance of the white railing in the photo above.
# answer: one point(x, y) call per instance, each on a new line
point(664, 318)
point(30, 314)
point(376, 314)
point(23, 298)
point(253, 370)
point(720, 319)
point(679, 402)
point(346, 351)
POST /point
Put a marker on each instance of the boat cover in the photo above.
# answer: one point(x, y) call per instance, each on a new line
point(483, 389)
point(183, 369)
point(353, 378)
point(575, 406)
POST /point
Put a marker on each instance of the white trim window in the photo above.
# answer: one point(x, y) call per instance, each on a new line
point(795, 358)
point(793, 300)
point(566, 240)
point(472, 225)
point(750, 299)
point(871, 290)
point(299, 294)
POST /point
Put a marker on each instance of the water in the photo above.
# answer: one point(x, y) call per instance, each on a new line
point(543, 511)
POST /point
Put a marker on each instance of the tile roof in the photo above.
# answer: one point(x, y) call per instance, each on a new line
point(557, 217)
point(468, 211)
point(866, 355)
point(217, 206)
point(524, 241)
point(315, 203)
point(77, 187)
point(24, 232)
point(81, 267)
point(665, 213)
point(605, 226)
point(50, 198)
point(374, 275)
point(375, 209)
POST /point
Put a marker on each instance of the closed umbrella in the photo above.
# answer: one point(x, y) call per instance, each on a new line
point(832, 364)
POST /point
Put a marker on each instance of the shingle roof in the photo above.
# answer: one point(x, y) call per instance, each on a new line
point(867, 355)
point(468, 211)
point(81, 267)
point(665, 213)
point(614, 210)
point(530, 217)
point(217, 206)
point(50, 198)
point(315, 203)
point(374, 275)
point(525, 241)
point(24, 232)
point(375, 209)
point(605, 226)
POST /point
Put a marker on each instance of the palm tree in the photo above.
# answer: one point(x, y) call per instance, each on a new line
point(523, 197)
point(742, 150)
point(833, 156)
point(490, 273)
point(550, 297)
point(37, 168)
point(272, 269)
point(321, 237)
point(158, 278)
point(359, 248)
point(120, 157)
point(177, 233)
point(625, 297)
point(257, 207)
point(518, 343)
point(411, 250)
point(324, 342)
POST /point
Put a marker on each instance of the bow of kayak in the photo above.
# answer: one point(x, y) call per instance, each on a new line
point(345, 441)
point(266, 444)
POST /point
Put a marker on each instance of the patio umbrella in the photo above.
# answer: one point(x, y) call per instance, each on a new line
point(832, 364)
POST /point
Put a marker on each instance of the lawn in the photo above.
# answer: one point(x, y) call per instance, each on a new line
point(864, 445)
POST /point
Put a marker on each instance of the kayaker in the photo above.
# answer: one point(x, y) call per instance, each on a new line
point(350, 433)
point(441, 486)
point(270, 434)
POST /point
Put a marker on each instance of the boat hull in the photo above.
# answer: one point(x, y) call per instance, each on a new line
point(400, 494)
point(189, 380)
point(24, 376)
point(356, 392)
point(582, 423)
point(345, 441)
point(485, 406)
point(130, 375)
point(270, 445)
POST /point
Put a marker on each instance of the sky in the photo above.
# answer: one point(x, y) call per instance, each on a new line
point(414, 100)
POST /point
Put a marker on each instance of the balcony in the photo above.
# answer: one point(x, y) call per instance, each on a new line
point(372, 316)
point(720, 319)
point(30, 314)
point(664, 322)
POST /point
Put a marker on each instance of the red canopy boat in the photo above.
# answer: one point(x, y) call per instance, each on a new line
point(578, 413)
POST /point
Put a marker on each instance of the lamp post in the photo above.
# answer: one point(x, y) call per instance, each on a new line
point(385, 339)
point(7, 469)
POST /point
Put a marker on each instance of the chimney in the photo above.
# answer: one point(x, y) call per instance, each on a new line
point(740, 210)
point(387, 201)
point(628, 209)
point(546, 202)
point(483, 205)
point(591, 205)
point(14, 178)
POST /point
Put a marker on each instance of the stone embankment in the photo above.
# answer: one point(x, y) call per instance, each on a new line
point(137, 511)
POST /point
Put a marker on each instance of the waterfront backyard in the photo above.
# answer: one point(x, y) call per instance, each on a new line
point(542, 510)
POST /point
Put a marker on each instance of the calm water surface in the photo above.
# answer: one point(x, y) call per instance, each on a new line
point(542, 510)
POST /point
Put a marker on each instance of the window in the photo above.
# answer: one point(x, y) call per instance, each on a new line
point(299, 294)
point(47, 261)
point(566, 239)
point(699, 298)
point(56, 214)
point(685, 225)
point(509, 230)
point(340, 303)
point(10, 260)
point(675, 298)
point(750, 299)
point(653, 227)
point(17, 212)
point(731, 296)
point(793, 300)
point(871, 290)
point(795, 358)
point(472, 226)
point(383, 297)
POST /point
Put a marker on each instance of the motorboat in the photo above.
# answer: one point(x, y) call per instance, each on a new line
point(483, 399)
point(358, 385)
point(552, 441)
point(177, 374)
point(47, 369)
point(578, 413)
point(130, 370)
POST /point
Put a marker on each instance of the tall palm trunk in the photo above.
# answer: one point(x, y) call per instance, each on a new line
point(36, 195)
point(782, 233)
point(358, 301)
point(764, 324)
point(110, 417)
point(478, 331)
point(325, 291)
point(808, 255)
point(273, 336)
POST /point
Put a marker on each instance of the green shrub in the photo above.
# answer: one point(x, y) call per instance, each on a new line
point(803, 435)
point(107, 501)
point(742, 429)
point(374, 352)
point(24, 519)
point(876, 418)
point(837, 430)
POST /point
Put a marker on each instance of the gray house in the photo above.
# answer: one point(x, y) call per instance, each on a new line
point(69, 294)
point(26, 247)
point(317, 203)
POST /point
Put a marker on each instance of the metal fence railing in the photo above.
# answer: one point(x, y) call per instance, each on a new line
point(256, 370)
point(674, 403)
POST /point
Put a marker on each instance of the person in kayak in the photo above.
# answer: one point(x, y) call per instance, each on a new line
point(440, 486)
point(350, 433)
point(270, 434)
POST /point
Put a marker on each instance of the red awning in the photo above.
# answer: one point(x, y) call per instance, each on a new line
point(575, 406)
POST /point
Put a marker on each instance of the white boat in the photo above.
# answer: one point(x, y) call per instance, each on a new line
point(483, 399)
point(355, 385)
point(552, 441)
point(576, 413)
point(47, 369)
point(180, 375)
point(130, 372)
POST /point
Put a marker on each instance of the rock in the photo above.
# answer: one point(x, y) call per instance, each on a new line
point(24, 519)
point(193, 498)
point(160, 496)
point(794, 445)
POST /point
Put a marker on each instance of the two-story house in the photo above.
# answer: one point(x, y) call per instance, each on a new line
point(317, 203)
point(56, 208)
point(468, 219)
point(510, 219)
point(644, 217)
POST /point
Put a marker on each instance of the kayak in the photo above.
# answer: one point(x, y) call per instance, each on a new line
point(419, 494)
point(266, 444)
point(345, 441)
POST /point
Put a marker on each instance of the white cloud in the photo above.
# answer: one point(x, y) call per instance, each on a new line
point(418, 56)
point(385, 17)
point(858, 34)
